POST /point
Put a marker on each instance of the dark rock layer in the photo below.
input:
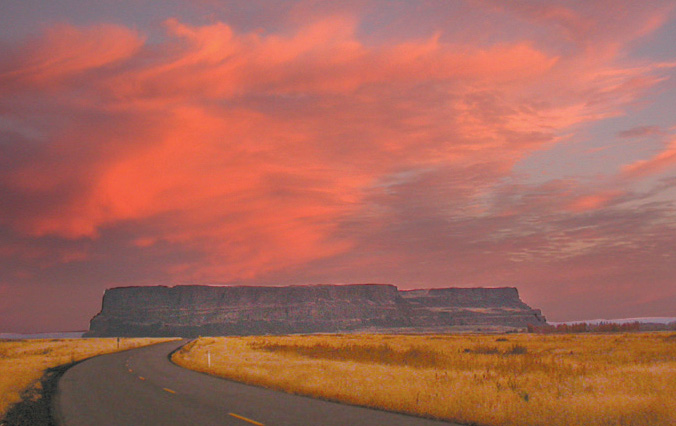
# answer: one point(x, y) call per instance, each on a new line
point(245, 310)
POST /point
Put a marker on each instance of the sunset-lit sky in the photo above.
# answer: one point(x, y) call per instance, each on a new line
point(418, 143)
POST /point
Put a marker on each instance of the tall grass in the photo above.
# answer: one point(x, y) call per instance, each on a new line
point(380, 353)
point(596, 380)
point(23, 362)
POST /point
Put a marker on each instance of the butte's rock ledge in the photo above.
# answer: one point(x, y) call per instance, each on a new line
point(194, 310)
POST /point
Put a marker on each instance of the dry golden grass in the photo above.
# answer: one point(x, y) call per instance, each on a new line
point(23, 362)
point(525, 379)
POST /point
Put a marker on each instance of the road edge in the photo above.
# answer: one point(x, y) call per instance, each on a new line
point(36, 405)
point(55, 416)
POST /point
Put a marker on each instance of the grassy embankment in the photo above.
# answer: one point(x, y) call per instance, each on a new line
point(23, 362)
point(612, 379)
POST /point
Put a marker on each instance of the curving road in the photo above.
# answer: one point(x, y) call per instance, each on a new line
point(142, 387)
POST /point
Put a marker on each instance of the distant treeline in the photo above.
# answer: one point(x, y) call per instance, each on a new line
point(602, 327)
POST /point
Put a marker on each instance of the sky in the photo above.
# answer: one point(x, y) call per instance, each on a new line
point(474, 143)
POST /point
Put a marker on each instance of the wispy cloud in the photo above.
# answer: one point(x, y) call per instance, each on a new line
point(661, 162)
point(640, 131)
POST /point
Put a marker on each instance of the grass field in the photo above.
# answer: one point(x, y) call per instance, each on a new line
point(23, 362)
point(516, 379)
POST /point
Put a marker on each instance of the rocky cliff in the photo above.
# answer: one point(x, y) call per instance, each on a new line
point(246, 310)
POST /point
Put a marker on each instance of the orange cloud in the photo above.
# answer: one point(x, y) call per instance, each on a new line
point(255, 149)
point(336, 142)
point(593, 201)
point(323, 57)
point(65, 51)
point(659, 163)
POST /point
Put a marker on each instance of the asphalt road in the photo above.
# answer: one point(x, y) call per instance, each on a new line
point(142, 387)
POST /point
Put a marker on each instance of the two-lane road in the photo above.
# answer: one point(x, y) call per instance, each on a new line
point(142, 387)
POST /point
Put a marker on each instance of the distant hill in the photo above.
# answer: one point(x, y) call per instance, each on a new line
point(642, 320)
point(52, 335)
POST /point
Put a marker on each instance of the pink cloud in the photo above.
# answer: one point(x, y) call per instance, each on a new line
point(153, 170)
point(225, 154)
point(641, 131)
point(593, 24)
point(65, 51)
point(232, 166)
point(659, 163)
point(322, 57)
point(594, 201)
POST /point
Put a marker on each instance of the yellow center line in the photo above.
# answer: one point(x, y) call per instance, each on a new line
point(169, 390)
point(253, 422)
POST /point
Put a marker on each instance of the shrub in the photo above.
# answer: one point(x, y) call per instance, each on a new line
point(483, 349)
point(516, 350)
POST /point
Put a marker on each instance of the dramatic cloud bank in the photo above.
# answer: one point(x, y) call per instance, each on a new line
point(474, 144)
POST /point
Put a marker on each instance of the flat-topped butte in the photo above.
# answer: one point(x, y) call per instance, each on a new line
point(196, 310)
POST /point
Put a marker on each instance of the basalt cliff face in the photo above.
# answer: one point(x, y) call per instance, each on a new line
point(245, 310)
